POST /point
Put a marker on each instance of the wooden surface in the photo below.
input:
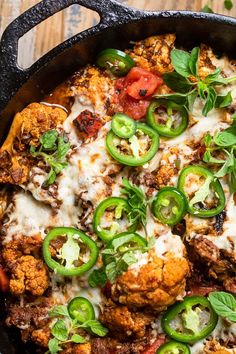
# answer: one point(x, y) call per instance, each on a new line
point(76, 18)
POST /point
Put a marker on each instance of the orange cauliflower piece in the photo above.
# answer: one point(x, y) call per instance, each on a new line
point(41, 336)
point(26, 129)
point(29, 274)
point(156, 284)
point(153, 53)
point(123, 322)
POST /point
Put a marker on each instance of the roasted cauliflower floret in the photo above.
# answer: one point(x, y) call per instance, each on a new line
point(24, 245)
point(41, 336)
point(156, 284)
point(124, 323)
point(29, 274)
point(153, 53)
point(26, 129)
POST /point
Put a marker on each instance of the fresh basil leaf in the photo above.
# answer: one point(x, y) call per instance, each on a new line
point(76, 338)
point(202, 90)
point(50, 178)
point(180, 61)
point(223, 101)
point(60, 331)
point(207, 9)
point(210, 101)
point(208, 158)
point(111, 272)
point(193, 61)
point(225, 138)
point(224, 304)
point(232, 179)
point(129, 258)
point(191, 97)
point(178, 98)
point(210, 78)
point(120, 241)
point(53, 346)
point(48, 140)
point(97, 328)
point(59, 311)
point(208, 140)
point(177, 83)
point(233, 117)
point(227, 167)
point(63, 148)
point(97, 277)
point(228, 4)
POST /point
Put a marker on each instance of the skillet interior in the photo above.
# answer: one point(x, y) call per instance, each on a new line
point(191, 29)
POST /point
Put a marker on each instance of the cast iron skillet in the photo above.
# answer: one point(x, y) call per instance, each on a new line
point(118, 25)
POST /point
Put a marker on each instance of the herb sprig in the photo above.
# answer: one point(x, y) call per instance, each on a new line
point(187, 85)
point(53, 149)
point(138, 203)
point(224, 304)
point(120, 254)
point(65, 329)
point(224, 143)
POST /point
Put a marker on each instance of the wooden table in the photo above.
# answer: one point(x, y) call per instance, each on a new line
point(76, 18)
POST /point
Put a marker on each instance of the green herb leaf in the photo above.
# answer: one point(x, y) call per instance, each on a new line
point(96, 327)
point(228, 4)
point(232, 179)
point(178, 98)
point(208, 158)
point(59, 311)
point(227, 167)
point(53, 150)
point(226, 137)
point(193, 61)
point(53, 346)
point(210, 101)
point(129, 258)
point(177, 83)
point(223, 101)
point(137, 202)
point(224, 304)
point(117, 242)
point(60, 331)
point(180, 61)
point(207, 9)
point(48, 140)
point(111, 271)
point(98, 277)
point(76, 338)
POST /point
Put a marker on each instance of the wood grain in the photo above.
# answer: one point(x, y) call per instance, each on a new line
point(76, 18)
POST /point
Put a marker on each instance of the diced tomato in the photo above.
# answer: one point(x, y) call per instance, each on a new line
point(4, 281)
point(151, 349)
point(141, 83)
point(133, 92)
point(87, 124)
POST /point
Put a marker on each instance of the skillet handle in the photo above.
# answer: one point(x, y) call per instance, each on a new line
point(109, 10)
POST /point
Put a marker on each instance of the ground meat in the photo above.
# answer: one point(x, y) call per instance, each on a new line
point(29, 274)
point(87, 125)
point(26, 129)
point(31, 318)
point(154, 285)
point(220, 218)
point(112, 346)
point(230, 285)
point(153, 53)
point(213, 347)
point(41, 336)
point(164, 175)
point(124, 323)
point(221, 265)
